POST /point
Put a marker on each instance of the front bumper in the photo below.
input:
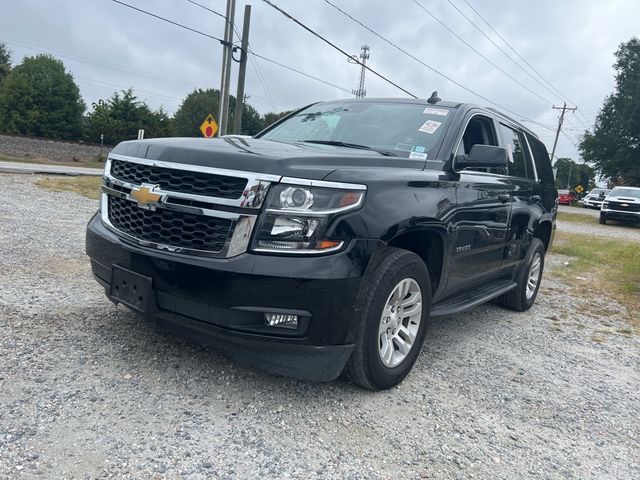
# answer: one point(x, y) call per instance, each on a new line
point(621, 215)
point(221, 302)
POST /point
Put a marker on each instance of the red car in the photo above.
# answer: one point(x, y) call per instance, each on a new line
point(566, 197)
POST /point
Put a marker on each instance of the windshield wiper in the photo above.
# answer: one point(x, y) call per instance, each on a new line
point(336, 143)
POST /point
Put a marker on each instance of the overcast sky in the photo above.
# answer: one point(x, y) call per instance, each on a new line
point(107, 46)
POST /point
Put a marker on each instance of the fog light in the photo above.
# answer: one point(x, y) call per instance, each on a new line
point(281, 320)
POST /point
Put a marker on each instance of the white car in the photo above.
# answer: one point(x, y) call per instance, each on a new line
point(623, 203)
point(595, 198)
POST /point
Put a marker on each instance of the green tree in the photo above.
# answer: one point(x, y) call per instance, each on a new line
point(574, 174)
point(200, 103)
point(40, 98)
point(193, 110)
point(5, 62)
point(272, 117)
point(614, 145)
point(121, 116)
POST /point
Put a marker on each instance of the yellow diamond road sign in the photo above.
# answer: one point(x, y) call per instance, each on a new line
point(209, 127)
point(579, 189)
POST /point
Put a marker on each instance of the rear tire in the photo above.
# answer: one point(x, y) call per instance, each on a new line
point(603, 219)
point(528, 279)
point(389, 339)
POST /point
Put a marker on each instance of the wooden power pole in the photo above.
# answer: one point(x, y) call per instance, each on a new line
point(560, 122)
point(237, 116)
point(226, 68)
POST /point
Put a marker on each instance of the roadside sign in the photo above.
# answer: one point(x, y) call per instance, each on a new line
point(209, 127)
point(579, 189)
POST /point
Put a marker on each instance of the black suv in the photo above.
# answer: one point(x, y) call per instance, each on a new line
point(326, 243)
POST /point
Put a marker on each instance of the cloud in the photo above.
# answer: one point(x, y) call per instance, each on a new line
point(571, 43)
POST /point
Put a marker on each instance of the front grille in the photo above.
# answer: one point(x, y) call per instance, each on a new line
point(179, 181)
point(631, 207)
point(169, 227)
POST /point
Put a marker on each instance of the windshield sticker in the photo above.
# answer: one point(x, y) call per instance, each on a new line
point(441, 112)
point(417, 156)
point(429, 126)
point(419, 149)
point(405, 147)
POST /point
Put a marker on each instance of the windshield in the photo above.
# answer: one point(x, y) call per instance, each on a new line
point(625, 192)
point(599, 192)
point(401, 129)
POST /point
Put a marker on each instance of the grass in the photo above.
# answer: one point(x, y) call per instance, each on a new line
point(578, 218)
point(97, 162)
point(86, 186)
point(609, 267)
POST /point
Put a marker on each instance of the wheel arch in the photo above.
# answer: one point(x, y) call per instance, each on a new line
point(428, 244)
point(543, 232)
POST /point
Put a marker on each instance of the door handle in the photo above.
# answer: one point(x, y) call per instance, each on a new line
point(504, 197)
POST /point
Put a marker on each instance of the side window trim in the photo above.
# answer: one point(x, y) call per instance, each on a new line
point(496, 135)
point(533, 160)
point(523, 135)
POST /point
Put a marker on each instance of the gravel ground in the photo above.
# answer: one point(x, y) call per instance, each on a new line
point(612, 229)
point(90, 390)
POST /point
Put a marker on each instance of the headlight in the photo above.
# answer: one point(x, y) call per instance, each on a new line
point(297, 218)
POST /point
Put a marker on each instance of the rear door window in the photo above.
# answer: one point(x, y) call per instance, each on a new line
point(520, 164)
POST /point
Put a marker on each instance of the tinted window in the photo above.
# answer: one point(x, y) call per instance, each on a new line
point(541, 157)
point(479, 131)
point(406, 129)
point(519, 162)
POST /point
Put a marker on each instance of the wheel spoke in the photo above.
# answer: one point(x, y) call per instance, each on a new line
point(411, 311)
point(403, 346)
point(407, 334)
point(399, 322)
point(411, 299)
point(386, 349)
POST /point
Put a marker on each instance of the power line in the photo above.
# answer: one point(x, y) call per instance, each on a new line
point(207, 9)
point(503, 51)
point(215, 38)
point(410, 55)
point(452, 32)
point(301, 73)
point(557, 92)
point(561, 95)
point(170, 21)
point(99, 64)
point(313, 32)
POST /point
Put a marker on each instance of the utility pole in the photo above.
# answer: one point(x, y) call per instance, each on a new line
point(226, 68)
point(237, 116)
point(360, 92)
point(560, 122)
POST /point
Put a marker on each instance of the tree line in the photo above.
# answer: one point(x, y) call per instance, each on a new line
point(39, 97)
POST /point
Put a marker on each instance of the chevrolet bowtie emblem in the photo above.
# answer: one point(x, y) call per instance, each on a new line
point(145, 195)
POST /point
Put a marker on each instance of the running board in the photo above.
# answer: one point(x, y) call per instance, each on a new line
point(466, 300)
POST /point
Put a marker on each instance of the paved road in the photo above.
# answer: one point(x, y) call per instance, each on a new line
point(19, 167)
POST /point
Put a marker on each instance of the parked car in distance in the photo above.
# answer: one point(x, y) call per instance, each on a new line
point(566, 197)
point(595, 198)
point(622, 203)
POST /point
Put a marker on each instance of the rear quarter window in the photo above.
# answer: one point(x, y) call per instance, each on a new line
point(541, 159)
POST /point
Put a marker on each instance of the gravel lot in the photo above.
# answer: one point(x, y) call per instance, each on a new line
point(88, 390)
point(613, 229)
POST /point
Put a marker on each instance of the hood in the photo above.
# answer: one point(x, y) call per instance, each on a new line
point(310, 161)
point(615, 198)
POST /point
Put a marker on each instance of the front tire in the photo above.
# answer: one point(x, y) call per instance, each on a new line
point(603, 219)
point(528, 279)
point(394, 303)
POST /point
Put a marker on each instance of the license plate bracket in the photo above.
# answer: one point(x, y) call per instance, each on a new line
point(131, 288)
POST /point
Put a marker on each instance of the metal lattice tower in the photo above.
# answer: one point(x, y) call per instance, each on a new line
point(360, 92)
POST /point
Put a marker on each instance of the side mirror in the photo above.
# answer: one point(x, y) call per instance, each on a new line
point(483, 156)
